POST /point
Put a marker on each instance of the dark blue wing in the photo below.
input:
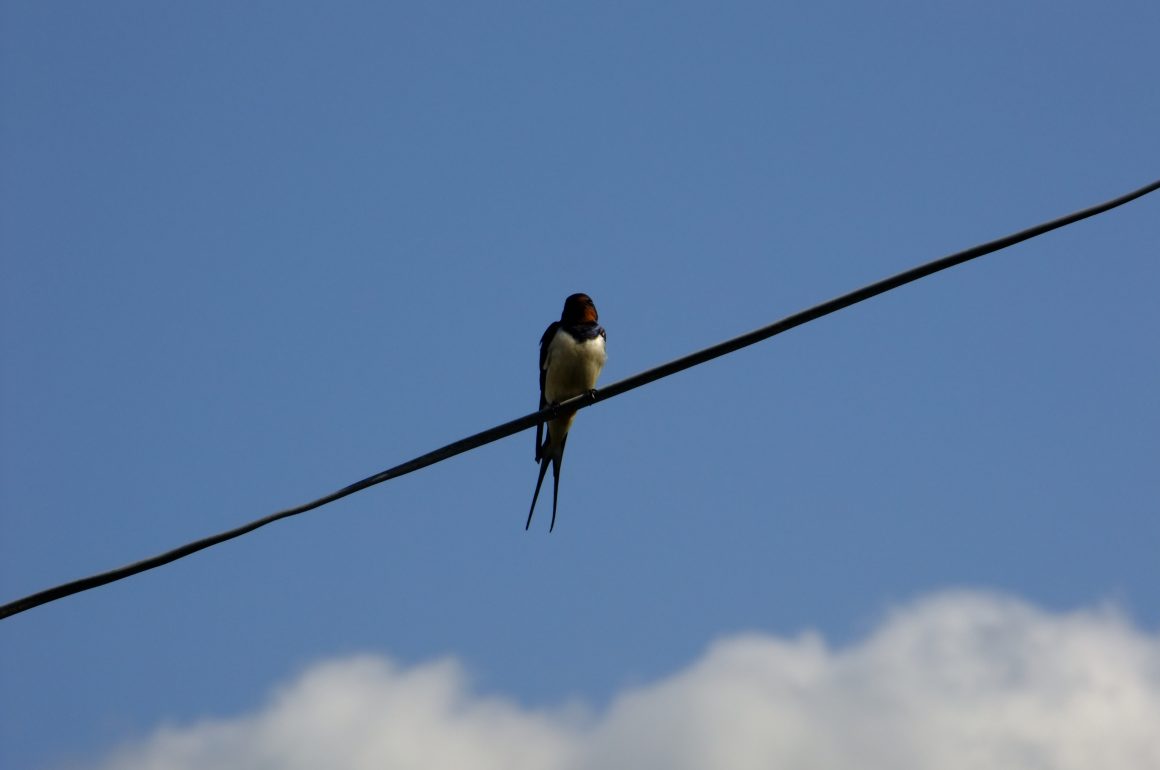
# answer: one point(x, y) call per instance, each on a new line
point(545, 341)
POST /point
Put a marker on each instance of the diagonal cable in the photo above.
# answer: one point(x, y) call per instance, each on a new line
point(579, 402)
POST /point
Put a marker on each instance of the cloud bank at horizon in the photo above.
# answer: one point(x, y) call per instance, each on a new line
point(954, 681)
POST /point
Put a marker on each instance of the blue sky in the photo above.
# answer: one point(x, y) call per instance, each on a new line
point(251, 254)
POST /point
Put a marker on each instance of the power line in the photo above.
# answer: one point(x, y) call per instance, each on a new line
point(579, 402)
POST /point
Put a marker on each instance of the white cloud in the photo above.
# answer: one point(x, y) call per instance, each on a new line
point(957, 681)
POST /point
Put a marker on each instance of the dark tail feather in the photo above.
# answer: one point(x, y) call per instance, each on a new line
point(535, 495)
point(557, 461)
point(555, 486)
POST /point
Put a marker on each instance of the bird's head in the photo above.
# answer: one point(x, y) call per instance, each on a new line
point(578, 309)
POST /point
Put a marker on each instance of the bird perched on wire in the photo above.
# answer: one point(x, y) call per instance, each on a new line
point(571, 357)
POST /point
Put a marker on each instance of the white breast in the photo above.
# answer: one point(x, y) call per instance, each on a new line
point(572, 366)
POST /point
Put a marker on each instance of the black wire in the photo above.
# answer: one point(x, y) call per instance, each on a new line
point(579, 402)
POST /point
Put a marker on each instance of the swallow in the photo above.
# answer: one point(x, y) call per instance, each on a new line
point(571, 357)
